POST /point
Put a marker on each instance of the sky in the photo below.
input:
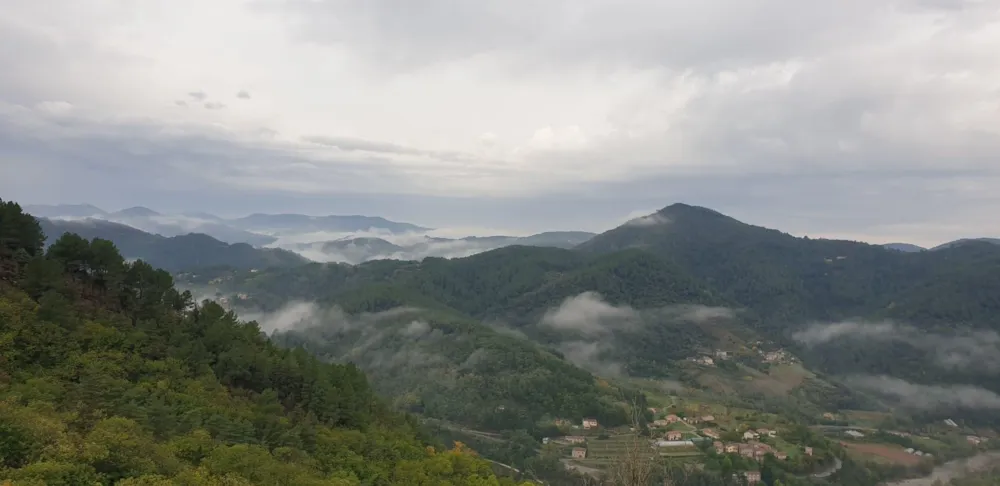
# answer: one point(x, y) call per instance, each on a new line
point(875, 120)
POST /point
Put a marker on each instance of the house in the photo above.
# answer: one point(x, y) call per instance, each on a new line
point(575, 439)
point(579, 453)
point(722, 354)
point(674, 435)
point(974, 440)
point(854, 433)
point(767, 432)
point(750, 435)
point(909, 450)
point(950, 423)
point(589, 423)
point(759, 454)
point(545, 440)
point(719, 447)
point(828, 416)
point(652, 410)
point(781, 455)
point(809, 451)
point(561, 422)
point(732, 448)
point(746, 450)
point(672, 419)
point(753, 477)
point(708, 418)
point(660, 423)
point(710, 433)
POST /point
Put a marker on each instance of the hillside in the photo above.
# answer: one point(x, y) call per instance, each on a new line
point(174, 253)
point(108, 375)
point(635, 291)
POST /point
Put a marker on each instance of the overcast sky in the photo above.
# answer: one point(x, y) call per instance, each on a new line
point(865, 119)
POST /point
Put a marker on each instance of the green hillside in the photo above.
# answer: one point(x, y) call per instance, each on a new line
point(175, 253)
point(109, 375)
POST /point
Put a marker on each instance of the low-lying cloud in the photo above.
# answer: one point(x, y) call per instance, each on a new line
point(979, 349)
point(590, 315)
point(655, 219)
point(926, 397)
point(590, 324)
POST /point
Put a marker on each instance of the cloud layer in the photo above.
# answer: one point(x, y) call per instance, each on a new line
point(588, 326)
point(927, 397)
point(888, 103)
point(972, 349)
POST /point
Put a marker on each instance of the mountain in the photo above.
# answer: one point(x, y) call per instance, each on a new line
point(963, 241)
point(174, 253)
point(640, 299)
point(112, 376)
point(904, 247)
point(358, 250)
point(135, 212)
point(300, 223)
point(65, 211)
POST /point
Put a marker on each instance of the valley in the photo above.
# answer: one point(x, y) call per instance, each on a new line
point(695, 349)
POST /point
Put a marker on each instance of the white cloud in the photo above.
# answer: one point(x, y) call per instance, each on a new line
point(493, 99)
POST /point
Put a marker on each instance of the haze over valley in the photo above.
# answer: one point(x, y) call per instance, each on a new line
point(499, 243)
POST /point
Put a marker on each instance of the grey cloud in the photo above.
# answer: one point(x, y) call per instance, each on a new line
point(590, 324)
point(590, 315)
point(654, 219)
point(181, 103)
point(592, 356)
point(214, 105)
point(243, 95)
point(198, 95)
point(978, 350)
point(926, 397)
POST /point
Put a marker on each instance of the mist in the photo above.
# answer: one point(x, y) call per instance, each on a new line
point(588, 326)
point(971, 349)
point(913, 396)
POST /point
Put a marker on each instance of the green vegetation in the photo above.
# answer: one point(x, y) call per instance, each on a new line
point(109, 375)
point(175, 253)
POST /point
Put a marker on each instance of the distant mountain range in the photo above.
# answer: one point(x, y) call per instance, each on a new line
point(908, 248)
point(358, 250)
point(174, 253)
point(345, 239)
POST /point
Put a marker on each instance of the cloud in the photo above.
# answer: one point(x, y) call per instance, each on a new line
point(181, 103)
point(968, 350)
point(654, 219)
point(927, 397)
point(214, 105)
point(589, 327)
point(632, 104)
point(243, 95)
point(589, 315)
point(593, 357)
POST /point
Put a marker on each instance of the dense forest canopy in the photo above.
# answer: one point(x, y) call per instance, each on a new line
point(110, 375)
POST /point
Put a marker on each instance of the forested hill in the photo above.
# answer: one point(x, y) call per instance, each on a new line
point(175, 253)
point(109, 375)
point(792, 280)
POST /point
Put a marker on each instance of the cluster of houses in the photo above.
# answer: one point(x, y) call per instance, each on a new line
point(673, 419)
point(974, 440)
point(910, 450)
point(752, 450)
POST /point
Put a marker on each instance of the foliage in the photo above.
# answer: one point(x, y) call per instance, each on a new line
point(109, 375)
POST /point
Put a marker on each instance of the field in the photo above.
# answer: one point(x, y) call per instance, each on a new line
point(884, 453)
point(603, 453)
point(861, 418)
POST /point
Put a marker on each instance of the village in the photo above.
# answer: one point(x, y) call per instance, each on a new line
point(675, 436)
